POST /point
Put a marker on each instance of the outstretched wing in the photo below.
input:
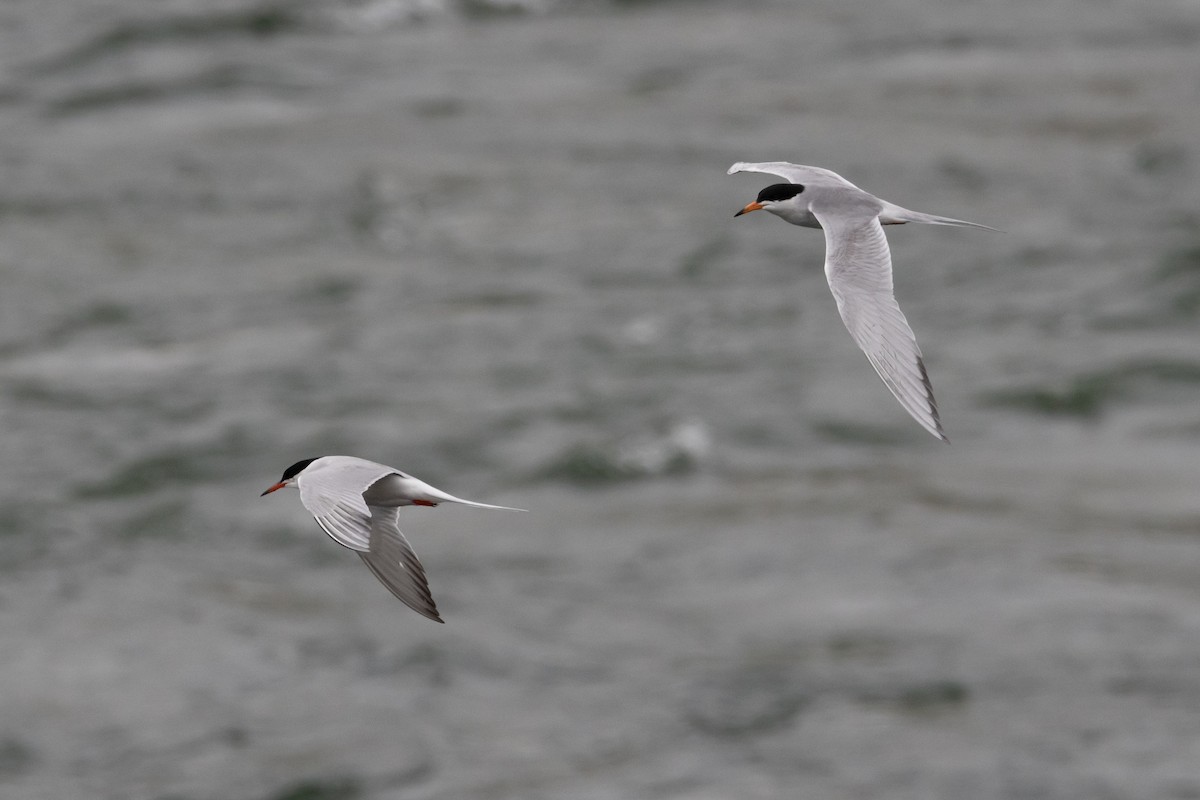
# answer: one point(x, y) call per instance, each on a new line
point(393, 562)
point(858, 264)
point(794, 173)
point(334, 495)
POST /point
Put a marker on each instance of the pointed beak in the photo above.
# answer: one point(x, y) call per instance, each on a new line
point(274, 488)
point(755, 206)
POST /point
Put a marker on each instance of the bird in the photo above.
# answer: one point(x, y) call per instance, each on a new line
point(357, 503)
point(858, 266)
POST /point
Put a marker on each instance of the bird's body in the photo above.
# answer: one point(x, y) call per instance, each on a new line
point(356, 502)
point(858, 266)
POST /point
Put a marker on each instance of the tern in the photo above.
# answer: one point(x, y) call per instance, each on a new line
point(858, 265)
point(357, 503)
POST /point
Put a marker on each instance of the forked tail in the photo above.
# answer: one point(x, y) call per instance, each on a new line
point(420, 493)
point(438, 496)
point(897, 215)
point(484, 505)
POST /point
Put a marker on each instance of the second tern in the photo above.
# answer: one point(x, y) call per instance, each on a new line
point(356, 502)
point(858, 266)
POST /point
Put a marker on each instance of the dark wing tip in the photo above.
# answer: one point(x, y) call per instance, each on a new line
point(412, 589)
point(933, 409)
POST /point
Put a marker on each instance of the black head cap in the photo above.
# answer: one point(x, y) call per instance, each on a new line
point(779, 191)
point(296, 469)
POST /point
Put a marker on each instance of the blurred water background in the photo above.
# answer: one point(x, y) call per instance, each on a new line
point(491, 242)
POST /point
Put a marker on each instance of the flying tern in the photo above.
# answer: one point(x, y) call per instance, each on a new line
point(858, 265)
point(357, 503)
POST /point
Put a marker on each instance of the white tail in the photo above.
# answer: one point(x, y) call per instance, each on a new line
point(399, 489)
point(452, 499)
point(423, 491)
point(897, 215)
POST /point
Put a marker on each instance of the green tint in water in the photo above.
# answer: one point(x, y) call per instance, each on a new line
point(258, 22)
point(1086, 396)
point(341, 788)
point(588, 465)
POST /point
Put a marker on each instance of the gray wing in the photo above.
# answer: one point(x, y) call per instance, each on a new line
point(393, 562)
point(793, 173)
point(858, 265)
point(334, 496)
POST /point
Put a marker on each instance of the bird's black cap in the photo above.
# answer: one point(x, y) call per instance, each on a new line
point(296, 469)
point(780, 191)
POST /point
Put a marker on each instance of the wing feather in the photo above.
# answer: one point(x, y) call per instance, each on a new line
point(858, 264)
point(793, 173)
point(333, 493)
point(392, 560)
point(348, 527)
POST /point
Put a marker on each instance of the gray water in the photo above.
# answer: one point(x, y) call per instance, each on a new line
point(492, 244)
